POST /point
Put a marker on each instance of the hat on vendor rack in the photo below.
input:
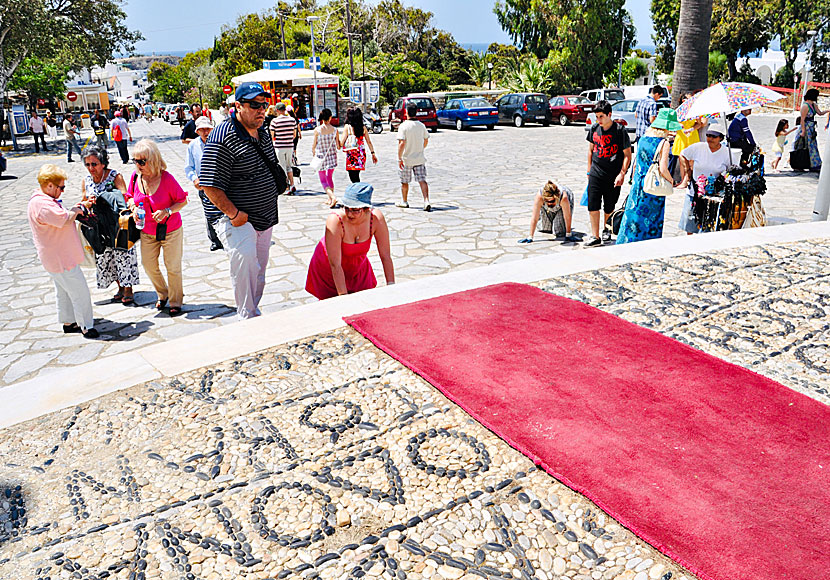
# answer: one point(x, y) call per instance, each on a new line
point(249, 91)
point(666, 119)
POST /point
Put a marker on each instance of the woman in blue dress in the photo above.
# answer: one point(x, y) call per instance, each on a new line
point(644, 213)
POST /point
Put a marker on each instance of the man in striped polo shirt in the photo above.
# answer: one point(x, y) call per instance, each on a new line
point(283, 130)
point(241, 177)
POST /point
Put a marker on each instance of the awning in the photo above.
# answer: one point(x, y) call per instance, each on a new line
point(298, 77)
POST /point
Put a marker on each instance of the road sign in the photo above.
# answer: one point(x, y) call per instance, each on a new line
point(314, 63)
point(227, 89)
point(357, 92)
point(41, 102)
point(372, 91)
point(283, 64)
point(72, 96)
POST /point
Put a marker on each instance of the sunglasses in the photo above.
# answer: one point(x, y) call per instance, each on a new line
point(140, 162)
point(256, 104)
point(61, 187)
point(92, 164)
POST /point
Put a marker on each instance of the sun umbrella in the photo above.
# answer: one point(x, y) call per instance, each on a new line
point(726, 98)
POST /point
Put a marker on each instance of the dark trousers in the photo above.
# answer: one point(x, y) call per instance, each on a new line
point(354, 175)
point(746, 149)
point(42, 139)
point(122, 150)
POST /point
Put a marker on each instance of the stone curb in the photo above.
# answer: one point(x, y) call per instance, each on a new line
point(42, 395)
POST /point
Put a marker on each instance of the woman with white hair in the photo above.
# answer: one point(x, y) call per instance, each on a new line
point(162, 198)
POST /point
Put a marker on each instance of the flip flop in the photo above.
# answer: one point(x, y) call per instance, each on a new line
point(161, 304)
point(175, 310)
point(127, 300)
point(117, 297)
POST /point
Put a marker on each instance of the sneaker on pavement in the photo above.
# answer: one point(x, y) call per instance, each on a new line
point(427, 207)
point(606, 235)
point(402, 204)
point(593, 242)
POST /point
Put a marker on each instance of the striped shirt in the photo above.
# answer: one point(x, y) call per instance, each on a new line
point(231, 163)
point(283, 127)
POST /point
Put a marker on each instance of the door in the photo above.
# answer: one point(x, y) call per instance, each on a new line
point(501, 104)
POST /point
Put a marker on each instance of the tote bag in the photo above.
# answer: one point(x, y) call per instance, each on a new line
point(654, 183)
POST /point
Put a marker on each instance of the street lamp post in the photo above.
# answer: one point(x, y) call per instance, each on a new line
point(622, 58)
point(490, 76)
point(362, 52)
point(311, 20)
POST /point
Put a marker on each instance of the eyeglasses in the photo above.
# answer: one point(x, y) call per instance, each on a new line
point(354, 209)
point(61, 187)
point(255, 104)
point(140, 162)
point(91, 164)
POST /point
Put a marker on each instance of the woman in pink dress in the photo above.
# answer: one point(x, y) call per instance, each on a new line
point(340, 264)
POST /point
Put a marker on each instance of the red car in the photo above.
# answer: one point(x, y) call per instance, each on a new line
point(426, 112)
point(570, 108)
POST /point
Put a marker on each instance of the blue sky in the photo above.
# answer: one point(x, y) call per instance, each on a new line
point(190, 25)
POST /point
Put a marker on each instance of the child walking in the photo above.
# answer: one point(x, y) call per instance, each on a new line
point(781, 133)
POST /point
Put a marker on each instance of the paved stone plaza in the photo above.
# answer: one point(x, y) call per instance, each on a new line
point(325, 458)
point(482, 187)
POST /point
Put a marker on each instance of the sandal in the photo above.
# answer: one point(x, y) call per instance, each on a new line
point(161, 304)
point(175, 310)
point(333, 203)
point(117, 296)
point(127, 300)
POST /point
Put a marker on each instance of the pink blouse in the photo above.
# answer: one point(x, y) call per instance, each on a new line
point(55, 235)
point(169, 192)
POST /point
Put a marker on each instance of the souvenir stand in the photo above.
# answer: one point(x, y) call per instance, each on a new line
point(733, 200)
point(291, 83)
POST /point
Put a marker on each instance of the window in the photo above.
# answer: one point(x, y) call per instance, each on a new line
point(399, 104)
point(535, 99)
point(614, 95)
point(558, 102)
point(453, 105)
point(474, 103)
point(579, 101)
point(514, 99)
point(421, 103)
point(502, 101)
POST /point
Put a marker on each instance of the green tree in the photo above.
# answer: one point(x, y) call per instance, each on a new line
point(82, 32)
point(40, 79)
point(792, 22)
point(718, 69)
point(633, 69)
point(740, 27)
point(576, 31)
point(665, 14)
point(399, 76)
point(478, 71)
point(532, 76)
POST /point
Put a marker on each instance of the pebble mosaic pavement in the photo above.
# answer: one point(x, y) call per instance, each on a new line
point(328, 459)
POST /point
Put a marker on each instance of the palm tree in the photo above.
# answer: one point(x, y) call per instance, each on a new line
point(478, 70)
point(531, 76)
point(691, 62)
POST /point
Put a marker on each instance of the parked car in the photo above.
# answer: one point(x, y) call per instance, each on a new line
point(426, 112)
point(623, 113)
point(471, 112)
point(521, 108)
point(597, 95)
point(570, 109)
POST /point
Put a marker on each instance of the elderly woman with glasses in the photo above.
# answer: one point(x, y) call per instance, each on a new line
point(162, 198)
point(59, 248)
point(708, 159)
point(340, 264)
point(106, 189)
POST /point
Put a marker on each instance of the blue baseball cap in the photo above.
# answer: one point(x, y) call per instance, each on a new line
point(358, 195)
point(249, 91)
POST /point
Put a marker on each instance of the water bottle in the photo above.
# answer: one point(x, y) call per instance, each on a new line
point(139, 216)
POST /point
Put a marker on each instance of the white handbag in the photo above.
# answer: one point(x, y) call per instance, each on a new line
point(317, 162)
point(654, 183)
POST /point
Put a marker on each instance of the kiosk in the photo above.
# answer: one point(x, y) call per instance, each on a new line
point(286, 78)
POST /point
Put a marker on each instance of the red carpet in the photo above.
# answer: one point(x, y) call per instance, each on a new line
point(723, 470)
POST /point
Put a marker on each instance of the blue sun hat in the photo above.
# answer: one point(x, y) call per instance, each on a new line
point(358, 195)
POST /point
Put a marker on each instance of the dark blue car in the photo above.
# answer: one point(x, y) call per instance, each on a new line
point(469, 112)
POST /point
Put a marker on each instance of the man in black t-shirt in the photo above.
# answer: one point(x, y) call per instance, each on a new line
point(609, 157)
point(189, 131)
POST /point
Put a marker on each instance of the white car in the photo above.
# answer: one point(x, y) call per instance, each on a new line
point(597, 95)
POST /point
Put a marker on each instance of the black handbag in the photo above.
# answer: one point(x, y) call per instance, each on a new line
point(800, 156)
point(614, 220)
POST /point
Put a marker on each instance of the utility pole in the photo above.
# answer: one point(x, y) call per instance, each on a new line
point(349, 37)
point(282, 31)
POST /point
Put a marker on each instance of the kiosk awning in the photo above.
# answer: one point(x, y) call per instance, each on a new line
point(297, 77)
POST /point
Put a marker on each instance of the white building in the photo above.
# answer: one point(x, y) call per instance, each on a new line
point(768, 64)
point(127, 85)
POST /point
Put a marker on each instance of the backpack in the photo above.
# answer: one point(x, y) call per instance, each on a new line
point(117, 135)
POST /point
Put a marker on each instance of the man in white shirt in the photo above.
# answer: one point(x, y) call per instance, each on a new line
point(38, 130)
point(412, 140)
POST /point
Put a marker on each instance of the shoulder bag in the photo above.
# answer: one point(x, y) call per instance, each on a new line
point(351, 141)
point(654, 183)
point(317, 162)
point(128, 234)
point(280, 179)
point(800, 155)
